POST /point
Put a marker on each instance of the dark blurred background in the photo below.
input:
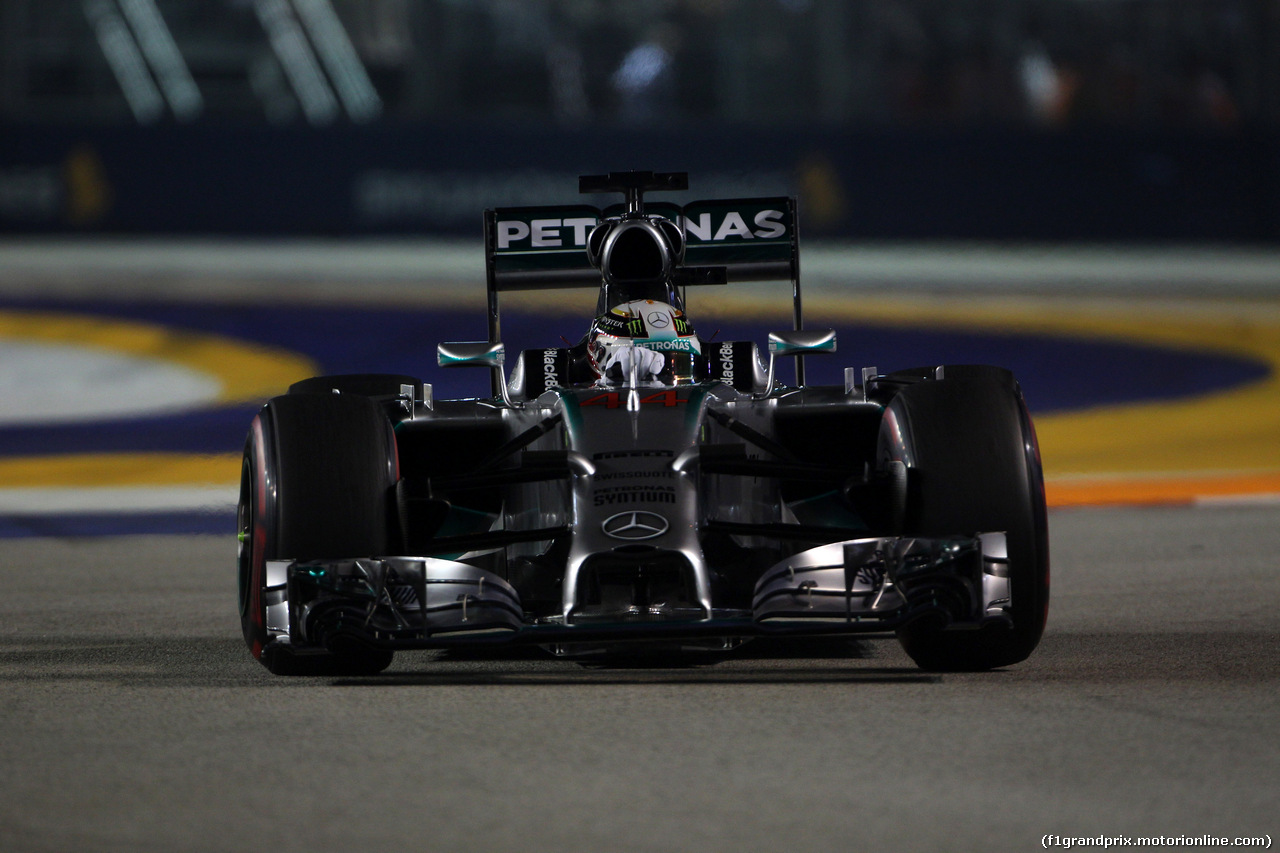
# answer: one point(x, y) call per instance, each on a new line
point(1097, 120)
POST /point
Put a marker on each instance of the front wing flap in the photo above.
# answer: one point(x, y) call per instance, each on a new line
point(887, 581)
point(397, 600)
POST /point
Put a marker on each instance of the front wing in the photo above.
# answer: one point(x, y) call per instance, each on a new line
point(871, 585)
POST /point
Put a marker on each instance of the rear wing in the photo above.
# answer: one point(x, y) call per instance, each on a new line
point(726, 241)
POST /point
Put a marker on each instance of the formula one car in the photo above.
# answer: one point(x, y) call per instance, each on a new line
point(644, 486)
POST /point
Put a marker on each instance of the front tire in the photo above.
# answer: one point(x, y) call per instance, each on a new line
point(974, 466)
point(316, 482)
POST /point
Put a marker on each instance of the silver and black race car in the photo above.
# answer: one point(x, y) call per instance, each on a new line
point(645, 486)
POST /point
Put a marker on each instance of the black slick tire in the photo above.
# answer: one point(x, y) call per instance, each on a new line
point(317, 481)
point(974, 466)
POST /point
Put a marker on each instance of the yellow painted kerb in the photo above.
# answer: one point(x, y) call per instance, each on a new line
point(77, 470)
point(1209, 444)
point(245, 371)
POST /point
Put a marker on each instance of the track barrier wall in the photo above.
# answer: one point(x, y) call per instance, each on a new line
point(389, 179)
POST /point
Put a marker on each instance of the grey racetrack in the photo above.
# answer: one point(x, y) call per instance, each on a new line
point(134, 719)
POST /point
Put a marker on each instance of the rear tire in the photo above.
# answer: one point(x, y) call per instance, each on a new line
point(974, 466)
point(316, 482)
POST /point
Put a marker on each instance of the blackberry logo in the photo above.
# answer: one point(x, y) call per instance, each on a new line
point(726, 362)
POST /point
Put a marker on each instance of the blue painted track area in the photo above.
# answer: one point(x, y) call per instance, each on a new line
point(1057, 374)
point(1061, 374)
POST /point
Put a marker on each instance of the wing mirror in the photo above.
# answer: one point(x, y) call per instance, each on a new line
point(797, 342)
point(477, 354)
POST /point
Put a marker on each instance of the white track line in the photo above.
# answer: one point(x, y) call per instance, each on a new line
point(38, 501)
point(314, 269)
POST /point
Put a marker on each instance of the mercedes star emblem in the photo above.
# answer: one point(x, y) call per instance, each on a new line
point(635, 525)
point(659, 320)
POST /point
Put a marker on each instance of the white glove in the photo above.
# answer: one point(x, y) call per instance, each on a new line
point(648, 363)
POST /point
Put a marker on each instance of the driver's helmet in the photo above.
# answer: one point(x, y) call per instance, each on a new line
point(658, 327)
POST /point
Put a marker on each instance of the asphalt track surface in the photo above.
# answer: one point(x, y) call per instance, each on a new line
point(135, 719)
